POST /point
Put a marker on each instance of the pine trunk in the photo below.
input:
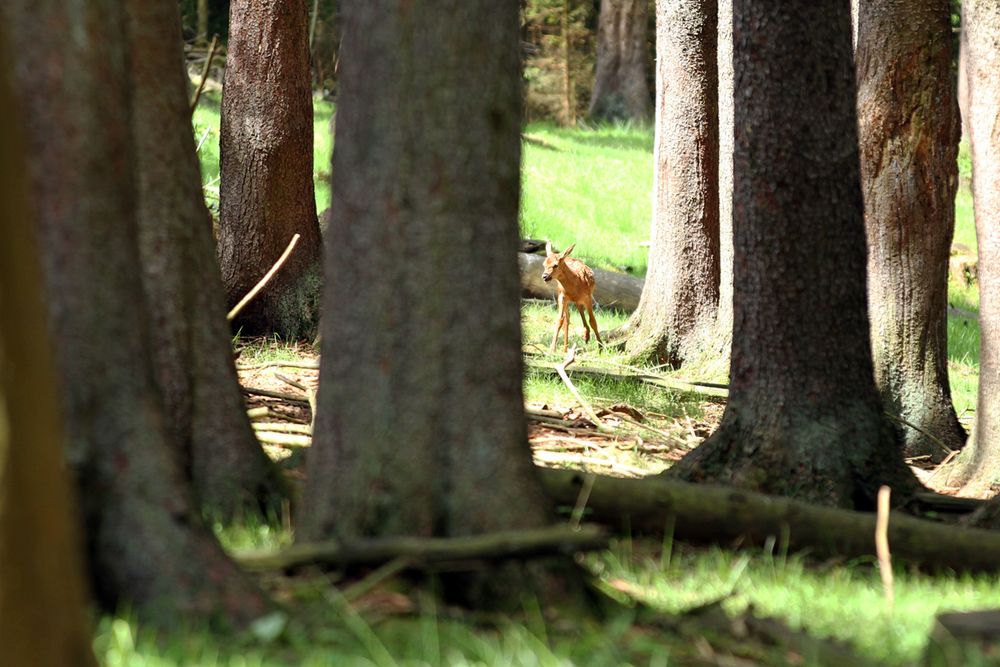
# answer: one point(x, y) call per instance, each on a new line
point(979, 465)
point(681, 293)
point(42, 597)
point(804, 418)
point(621, 92)
point(908, 124)
point(420, 428)
point(266, 162)
point(193, 360)
point(146, 542)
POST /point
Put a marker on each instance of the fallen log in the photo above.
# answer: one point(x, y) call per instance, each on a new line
point(969, 638)
point(613, 290)
point(554, 540)
point(721, 515)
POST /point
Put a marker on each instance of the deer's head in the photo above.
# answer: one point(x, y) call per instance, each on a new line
point(553, 260)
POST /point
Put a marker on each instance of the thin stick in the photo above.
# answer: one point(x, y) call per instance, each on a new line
point(275, 394)
point(204, 72)
point(292, 383)
point(581, 501)
point(937, 441)
point(282, 427)
point(263, 281)
point(283, 439)
point(313, 365)
point(561, 369)
point(882, 543)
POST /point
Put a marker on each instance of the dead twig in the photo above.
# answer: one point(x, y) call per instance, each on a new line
point(283, 439)
point(311, 365)
point(204, 72)
point(263, 281)
point(561, 369)
point(282, 427)
point(275, 394)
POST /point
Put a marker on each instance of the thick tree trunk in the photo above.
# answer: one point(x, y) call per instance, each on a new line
point(412, 379)
point(804, 418)
point(681, 293)
point(266, 162)
point(725, 64)
point(908, 127)
point(193, 361)
point(620, 89)
point(146, 542)
point(979, 465)
point(42, 620)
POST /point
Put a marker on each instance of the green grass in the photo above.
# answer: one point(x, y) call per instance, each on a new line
point(592, 188)
point(843, 601)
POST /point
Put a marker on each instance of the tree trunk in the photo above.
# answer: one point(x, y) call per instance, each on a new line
point(724, 328)
point(681, 293)
point(203, 21)
point(804, 418)
point(193, 360)
point(147, 544)
point(42, 620)
point(908, 128)
point(414, 380)
point(620, 89)
point(266, 165)
point(979, 465)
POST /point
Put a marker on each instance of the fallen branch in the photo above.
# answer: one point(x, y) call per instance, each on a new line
point(561, 369)
point(707, 389)
point(231, 315)
point(275, 394)
point(282, 427)
point(314, 365)
point(548, 456)
point(204, 72)
point(422, 551)
point(283, 439)
point(721, 515)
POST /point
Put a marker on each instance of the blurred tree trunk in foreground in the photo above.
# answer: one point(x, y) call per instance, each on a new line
point(804, 418)
point(979, 465)
point(42, 619)
point(621, 92)
point(420, 426)
point(908, 123)
point(146, 542)
point(680, 298)
point(193, 361)
point(266, 162)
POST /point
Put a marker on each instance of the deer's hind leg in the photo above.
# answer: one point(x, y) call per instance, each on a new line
point(593, 320)
point(583, 318)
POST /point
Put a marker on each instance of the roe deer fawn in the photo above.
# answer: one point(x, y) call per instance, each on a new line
point(575, 284)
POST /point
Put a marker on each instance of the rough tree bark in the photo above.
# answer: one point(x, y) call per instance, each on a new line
point(426, 188)
point(193, 360)
point(979, 466)
point(804, 418)
point(724, 318)
point(620, 90)
point(266, 166)
point(681, 293)
point(42, 620)
point(908, 126)
point(146, 542)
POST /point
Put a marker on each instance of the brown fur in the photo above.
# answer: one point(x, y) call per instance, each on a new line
point(575, 284)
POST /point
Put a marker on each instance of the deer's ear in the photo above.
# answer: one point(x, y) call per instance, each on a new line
point(548, 247)
point(568, 250)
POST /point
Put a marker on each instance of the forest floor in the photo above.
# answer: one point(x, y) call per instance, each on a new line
point(589, 186)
